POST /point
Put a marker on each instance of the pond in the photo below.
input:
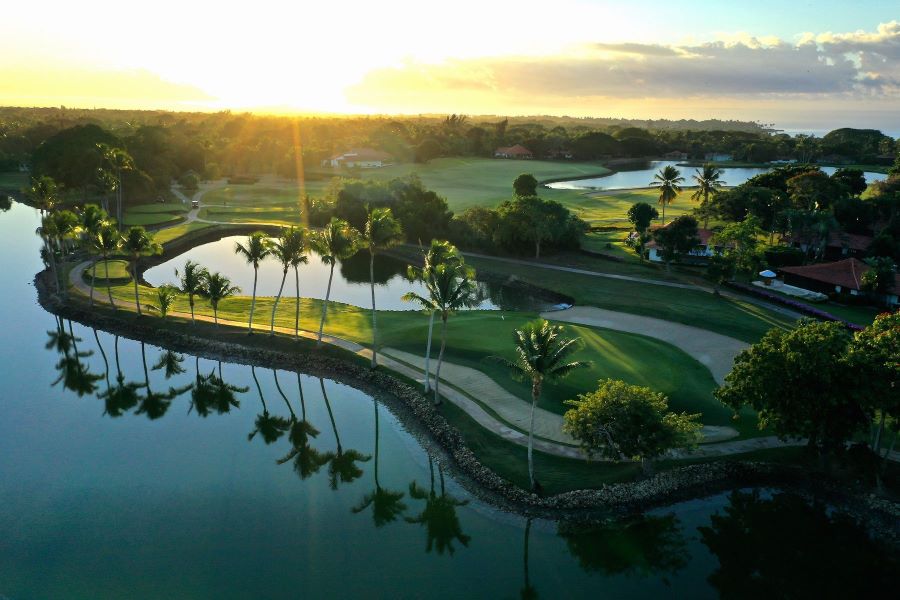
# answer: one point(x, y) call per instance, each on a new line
point(351, 280)
point(130, 471)
point(642, 177)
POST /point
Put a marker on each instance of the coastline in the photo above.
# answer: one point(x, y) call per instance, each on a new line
point(433, 431)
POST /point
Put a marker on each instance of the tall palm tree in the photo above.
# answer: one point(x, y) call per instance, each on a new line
point(668, 181)
point(336, 241)
point(137, 243)
point(299, 259)
point(67, 229)
point(166, 295)
point(708, 181)
point(451, 287)
point(342, 466)
point(439, 516)
point(193, 280)
point(47, 233)
point(386, 505)
point(287, 248)
point(216, 288)
point(542, 354)
point(116, 161)
point(43, 193)
point(104, 242)
point(93, 219)
point(382, 232)
point(256, 250)
point(438, 252)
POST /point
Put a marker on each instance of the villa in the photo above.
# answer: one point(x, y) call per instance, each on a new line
point(700, 252)
point(365, 158)
point(518, 151)
point(841, 277)
point(840, 245)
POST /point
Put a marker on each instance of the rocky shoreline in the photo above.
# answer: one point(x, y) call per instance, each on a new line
point(423, 420)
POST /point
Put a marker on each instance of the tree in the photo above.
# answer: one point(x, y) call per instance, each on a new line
point(542, 354)
point(287, 249)
point(667, 181)
point(720, 268)
point(254, 252)
point(216, 288)
point(47, 232)
point(104, 241)
point(874, 359)
point(814, 190)
point(799, 384)
point(532, 220)
point(382, 232)
point(677, 238)
point(623, 421)
point(137, 243)
point(336, 241)
point(193, 282)
point(880, 277)
point(451, 287)
point(708, 181)
point(740, 241)
point(165, 297)
point(438, 252)
point(641, 215)
point(115, 162)
point(43, 193)
point(852, 179)
point(525, 185)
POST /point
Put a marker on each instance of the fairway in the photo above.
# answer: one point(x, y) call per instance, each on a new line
point(118, 270)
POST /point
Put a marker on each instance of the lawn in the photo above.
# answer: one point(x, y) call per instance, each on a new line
point(154, 214)
point(611, 208)
point(118, 271)
point(474, 336)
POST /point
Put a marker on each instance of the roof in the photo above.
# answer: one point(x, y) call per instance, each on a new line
point(362, 154)
point(704, 234)
point(845, 273)
point(517, 149)
point(839, 239)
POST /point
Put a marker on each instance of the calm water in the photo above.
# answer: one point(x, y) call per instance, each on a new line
point(350, 284)
point(118, 481)
point(642, 177)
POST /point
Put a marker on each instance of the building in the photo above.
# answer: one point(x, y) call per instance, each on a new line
point(840, 245)
point(717, 157)
point(365, 158)
point(518, 151)
point(840, 277)
point(560, 153)
point(676, 155)
point(699, 253)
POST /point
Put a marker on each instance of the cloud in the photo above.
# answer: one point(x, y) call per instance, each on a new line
point(846, 66)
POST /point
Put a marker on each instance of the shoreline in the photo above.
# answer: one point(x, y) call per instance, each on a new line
point(421, 418)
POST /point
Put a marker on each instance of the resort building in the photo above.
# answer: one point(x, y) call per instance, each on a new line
point(365, 158)
point(700, 252)
point(840, 245)
point(518, 151)
point(842, 277)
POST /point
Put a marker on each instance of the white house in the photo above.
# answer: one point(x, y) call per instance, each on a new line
point(365, 158)
point(701, 251)
point(717, 157)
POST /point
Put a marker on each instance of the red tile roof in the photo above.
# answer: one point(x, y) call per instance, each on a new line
point(837, 239)
point(846, 273)
point(516, 150)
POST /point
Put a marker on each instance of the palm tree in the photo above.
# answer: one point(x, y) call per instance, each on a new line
point(541, 355)
point(343, 462)
point(256, 250)
point(47, 232)
point(336, 241)
point(44, 193)
point(166, 295)
point(386, 504)
point(298, 259)
point(92, 220)
point(269, 427)
point(382, 232)
point(451, 287)
point(438, 252)
point(67, 228)
point(668, 181)
point(193, 281)
point(116, 161)
point(105, 242)
point(708, 180)
point(137, 243)
point(439, 516)
point(216, 288)
point(288, 249)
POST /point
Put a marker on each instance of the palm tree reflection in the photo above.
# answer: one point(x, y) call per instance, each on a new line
point(156, 404)
point(386, 504)
point(211, 393)
point(307, 460)
point(268, 426)
point(343, 466)
point(439, 516)
point(73, 374)
point(123, 396)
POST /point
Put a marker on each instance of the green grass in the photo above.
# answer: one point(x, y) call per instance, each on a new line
point(860, 315)
point(734, 318)
point(611, 208)
point(610, 242)
point(118, 271)
point(154, 214)
point(164, 236)
point(278, 215)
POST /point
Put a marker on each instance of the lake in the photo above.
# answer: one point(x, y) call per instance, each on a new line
point(127, 471)
point(351, 280)
point(638, 178)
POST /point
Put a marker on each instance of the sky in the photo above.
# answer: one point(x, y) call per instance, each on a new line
point(800, 65)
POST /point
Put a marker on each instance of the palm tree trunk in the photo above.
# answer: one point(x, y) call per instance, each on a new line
point(191, 304)
point(428, 354)
point(706, 209)
point(437, 373)
point(215, 315)
point(877, 446)
point(108, 283)
point(93, 277)
point(537, 249)
point(253, 301)
point(137, 298)
point(297, 308)
point(337, 438)
point(277, 298)
point(374, 323)
point(664, 214)
point(51, 258)
point(325, 306)
point(535, 393)
point(377, 484)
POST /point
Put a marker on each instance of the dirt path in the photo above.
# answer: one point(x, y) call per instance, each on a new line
point(715, 351)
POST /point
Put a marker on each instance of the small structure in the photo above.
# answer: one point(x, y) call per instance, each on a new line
point(767, 277)
point(518, 151)
point(700, 253)
point(676, 155)
point(717, 157)
point(842, 277)
point(560, 153)
point(840, 245)
point(365, 158)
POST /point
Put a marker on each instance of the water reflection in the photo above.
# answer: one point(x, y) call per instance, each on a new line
point(342, 466)
point(73, 373)
point(782, 546)
point(439, 516)
point(269, 427)
point(306, 459)
point(123, 396)
point(387, 505)
point(156, 404)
